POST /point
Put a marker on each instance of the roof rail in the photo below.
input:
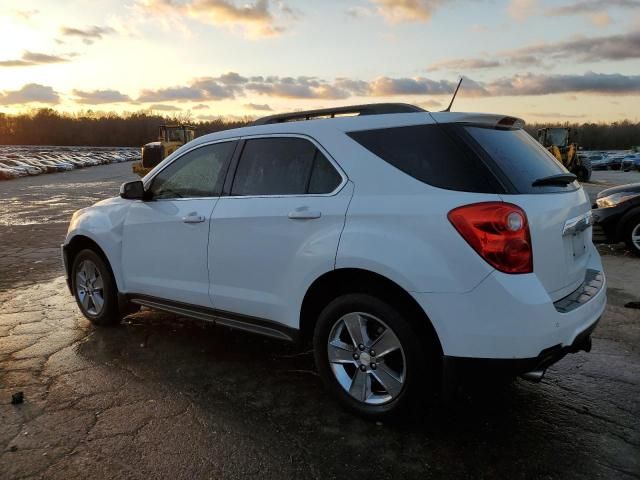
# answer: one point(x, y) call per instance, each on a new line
point(367, 109)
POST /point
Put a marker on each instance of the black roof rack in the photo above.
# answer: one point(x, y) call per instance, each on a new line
point(368, 109)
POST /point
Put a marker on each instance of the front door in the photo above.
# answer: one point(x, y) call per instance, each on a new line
point(165, 238)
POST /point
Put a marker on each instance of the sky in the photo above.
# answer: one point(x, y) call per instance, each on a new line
point(541, 60)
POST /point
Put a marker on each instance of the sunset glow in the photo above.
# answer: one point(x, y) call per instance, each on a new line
point(541, 60)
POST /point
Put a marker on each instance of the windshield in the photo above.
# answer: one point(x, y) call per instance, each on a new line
point(558, 136)
point(175, 134)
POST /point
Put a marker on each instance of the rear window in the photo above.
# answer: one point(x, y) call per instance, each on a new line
point(520, 158)
point(429, 154)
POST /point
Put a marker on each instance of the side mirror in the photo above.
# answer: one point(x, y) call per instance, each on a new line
point(132, 190)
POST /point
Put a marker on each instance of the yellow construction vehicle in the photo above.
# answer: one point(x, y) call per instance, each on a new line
point(170, 138)
point(558, 142)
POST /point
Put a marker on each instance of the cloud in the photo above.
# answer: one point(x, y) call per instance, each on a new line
point(402, 11)
point(619, 47)
point(385, 86)
point(254, 20)
point(172, 94)
point(164, 108)
point(590, 82)
point(30, 59)
point(88, 34)
point(464, 64)
point(555, 115)
point(25, 14)
point(521, 10)
point(200, 106)
point(257, 106)
point(30, 93)
point(601, 19)
point(96, 97)
point(310, 88)
point(590, 6)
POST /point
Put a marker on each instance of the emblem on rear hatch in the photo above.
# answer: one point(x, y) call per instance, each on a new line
point(577, 224)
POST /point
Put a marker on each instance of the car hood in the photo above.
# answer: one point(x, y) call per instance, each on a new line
point(631, 187)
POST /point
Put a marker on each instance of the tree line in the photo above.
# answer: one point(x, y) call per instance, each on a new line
point(597, 136)
point(49, 127)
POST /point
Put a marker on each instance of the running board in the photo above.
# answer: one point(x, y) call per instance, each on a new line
point(238, 322)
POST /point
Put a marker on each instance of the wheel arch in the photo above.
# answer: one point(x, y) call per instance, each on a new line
point(355, 280)
point(82, 242)
point(624, 220)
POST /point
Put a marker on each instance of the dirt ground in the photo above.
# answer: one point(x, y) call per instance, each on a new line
point(165, 397)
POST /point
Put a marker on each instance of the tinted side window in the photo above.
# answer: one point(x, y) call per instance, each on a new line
point(428, 154)
point(522, 159)
point(324, 177)
point(274, 166)
point(197, 173)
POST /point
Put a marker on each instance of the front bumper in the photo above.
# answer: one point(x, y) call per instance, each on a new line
point(65, 263)
point(606, 223)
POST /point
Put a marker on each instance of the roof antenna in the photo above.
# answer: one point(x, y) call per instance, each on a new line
point(448, 109)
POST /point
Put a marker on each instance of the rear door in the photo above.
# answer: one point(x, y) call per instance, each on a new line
point(559, 215)
point(278, 229)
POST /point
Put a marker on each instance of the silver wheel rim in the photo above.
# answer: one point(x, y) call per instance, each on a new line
point(635, 236)
point(366, 358)
point(90, 287)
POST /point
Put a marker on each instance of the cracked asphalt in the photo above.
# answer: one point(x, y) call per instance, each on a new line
point(166, 397)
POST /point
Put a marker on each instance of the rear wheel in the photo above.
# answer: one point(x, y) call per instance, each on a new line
point(369, 356)
point(94, 288)
point(632, 233)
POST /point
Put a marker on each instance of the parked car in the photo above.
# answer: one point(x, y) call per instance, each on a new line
point(629, 162)
point(617, 216)
point(18, 170)
point(615, 162)
point(7, 173)
point(412, 249)
point(30, 169)
point(599, 162)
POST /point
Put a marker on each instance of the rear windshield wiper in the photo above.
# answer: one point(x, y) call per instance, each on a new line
point(560, 179)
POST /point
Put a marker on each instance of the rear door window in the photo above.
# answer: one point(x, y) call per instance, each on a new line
point(520, 158)
point(283, 166)
point(430, 154)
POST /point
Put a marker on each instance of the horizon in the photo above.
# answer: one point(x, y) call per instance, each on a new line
point(544, 61)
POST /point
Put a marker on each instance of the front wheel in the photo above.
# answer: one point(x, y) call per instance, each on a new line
point(369, 356)
point(94, 288)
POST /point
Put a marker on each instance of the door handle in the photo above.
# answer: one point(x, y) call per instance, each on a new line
point(193, 219)
point(304, 215)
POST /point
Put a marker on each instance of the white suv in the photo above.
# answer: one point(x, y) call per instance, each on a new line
point(410, 247)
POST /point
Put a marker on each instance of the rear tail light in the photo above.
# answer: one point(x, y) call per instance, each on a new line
point(499, 232)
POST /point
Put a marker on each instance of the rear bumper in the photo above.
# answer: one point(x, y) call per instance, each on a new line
point(512, 316)
point(465, 369)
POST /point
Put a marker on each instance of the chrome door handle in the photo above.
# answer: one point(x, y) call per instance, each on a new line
point(193, 219)
point(304, 215)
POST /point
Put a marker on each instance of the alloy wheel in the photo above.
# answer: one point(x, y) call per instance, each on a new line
point(90, 287)
point(366, 358)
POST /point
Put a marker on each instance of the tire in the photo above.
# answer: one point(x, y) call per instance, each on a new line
point(403, 370)
point(584, 170)
point(98, 297)
point(631, 233)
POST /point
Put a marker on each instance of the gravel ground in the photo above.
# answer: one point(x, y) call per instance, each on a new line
point(165, 397)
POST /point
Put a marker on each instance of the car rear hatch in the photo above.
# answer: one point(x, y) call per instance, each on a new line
point(557, 207)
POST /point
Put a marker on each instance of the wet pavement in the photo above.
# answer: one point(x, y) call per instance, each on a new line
point(165, 397)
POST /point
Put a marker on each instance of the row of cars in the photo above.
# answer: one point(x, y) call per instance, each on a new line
point(21, 161)
point(614, 161)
